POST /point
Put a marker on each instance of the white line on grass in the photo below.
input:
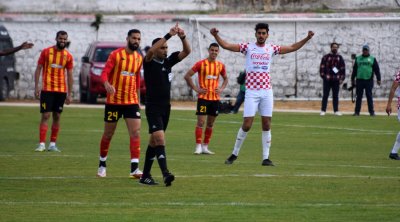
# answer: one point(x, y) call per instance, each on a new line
point(307, 126)
point(233, 204)
point(206, 176)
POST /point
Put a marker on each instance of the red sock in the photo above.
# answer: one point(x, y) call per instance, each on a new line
point(134, 146)
point(207, 135)
point(42, 132)
point(198, 134)
point(54, 133)
point(104, 145)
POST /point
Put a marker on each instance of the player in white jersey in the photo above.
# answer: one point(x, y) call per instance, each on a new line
point(259, 95)
point(395, 90)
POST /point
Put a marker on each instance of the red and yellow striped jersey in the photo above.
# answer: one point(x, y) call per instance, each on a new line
point(208, 73)
point(122, 71)
point(54, 63)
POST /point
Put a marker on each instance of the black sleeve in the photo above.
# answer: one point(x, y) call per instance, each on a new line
point(354, 73)
point(173, 58)
point(375, 68)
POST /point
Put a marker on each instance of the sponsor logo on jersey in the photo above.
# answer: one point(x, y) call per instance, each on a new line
point(56, 66)
point(263, 56)
point(126, 73)
point(211, 77)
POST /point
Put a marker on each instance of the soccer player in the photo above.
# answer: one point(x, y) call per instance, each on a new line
point(259, 95)
point(158, 76)
point(54, 91)
point(24, 45)
point(395, 91)
point(209, 70)
point(121, 78)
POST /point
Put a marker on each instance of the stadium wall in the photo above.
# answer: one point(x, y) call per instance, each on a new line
point(294, 75)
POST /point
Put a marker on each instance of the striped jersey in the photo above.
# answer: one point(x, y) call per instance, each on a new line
point(258, 63)
point(54, 63)
point(208, 74)
point(122, 71)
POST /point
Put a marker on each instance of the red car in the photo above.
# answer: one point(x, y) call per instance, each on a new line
point(93, 62)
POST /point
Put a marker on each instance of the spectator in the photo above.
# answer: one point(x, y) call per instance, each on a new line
point(241, 80)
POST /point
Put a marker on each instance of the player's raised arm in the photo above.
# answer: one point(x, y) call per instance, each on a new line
point(296, 46)
point(223, 43)
point(390, 99)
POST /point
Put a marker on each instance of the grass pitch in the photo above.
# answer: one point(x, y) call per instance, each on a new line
point(327, 169)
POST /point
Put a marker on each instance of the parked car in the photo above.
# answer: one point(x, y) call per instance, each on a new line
point(93, 62)
point(8, 75)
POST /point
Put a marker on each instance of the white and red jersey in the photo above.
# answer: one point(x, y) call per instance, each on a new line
point(258, 62)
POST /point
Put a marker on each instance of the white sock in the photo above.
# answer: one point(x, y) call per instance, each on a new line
point(42, 144)
point(396, 145)
point(103, 159)
point(266, 143)
point(52, 144)
point(135, 160)
point(204, 147)
point(241, 136)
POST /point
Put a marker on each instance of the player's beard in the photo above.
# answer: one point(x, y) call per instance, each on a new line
point(61, 45)
point(334, 51)
point(261, 41)
point(133, 46)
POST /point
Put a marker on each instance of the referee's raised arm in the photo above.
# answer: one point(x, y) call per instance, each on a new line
point(173, 31)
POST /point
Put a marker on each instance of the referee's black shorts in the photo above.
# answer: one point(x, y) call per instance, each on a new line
point(157, 116)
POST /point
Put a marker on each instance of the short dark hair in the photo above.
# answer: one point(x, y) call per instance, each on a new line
point(335, 43)
point(133, 31)
point(61, 32)
point(213, 45)
point(262, 26)
point(154, 41)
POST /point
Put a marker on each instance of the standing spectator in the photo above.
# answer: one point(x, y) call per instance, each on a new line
point(121, 79)
point(332, 72)
point(241, 80)
point(363, 71)
point(158, 76)
point(395, 91)
point(259, 93)
point(209, 70)
point(52, 63)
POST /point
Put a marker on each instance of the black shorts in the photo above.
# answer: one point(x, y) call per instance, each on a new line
point(207, 107)
point(112, 113)
point(52, 101)
point(157, 116)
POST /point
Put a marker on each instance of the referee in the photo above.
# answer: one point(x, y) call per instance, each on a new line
point(158, 76)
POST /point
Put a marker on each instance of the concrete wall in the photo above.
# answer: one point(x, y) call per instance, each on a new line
point(381, 36)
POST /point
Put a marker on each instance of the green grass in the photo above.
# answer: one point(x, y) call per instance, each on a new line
point(327, 169)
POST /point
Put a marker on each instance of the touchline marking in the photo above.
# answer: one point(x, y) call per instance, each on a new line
point(307, 126)
point(233, 204)
point(202, 176)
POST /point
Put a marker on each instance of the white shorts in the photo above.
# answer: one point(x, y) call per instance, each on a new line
point(258, 100)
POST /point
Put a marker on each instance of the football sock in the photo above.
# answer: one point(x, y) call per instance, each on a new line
point(266, 143)
point(134, 147)
point(241, 136)
point(134, 165)
point(102, 162)
point(198, 133)
point(104, 145)
point(161, 158)
point(396, 145)
point(42, 132)
point(148, 161)
point(54, 133)
point(52, 144)
point(207, 135)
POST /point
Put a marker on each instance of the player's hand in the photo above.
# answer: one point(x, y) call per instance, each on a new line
point(310, 34)
point(201, 90)
point(109, 88)
point(174, 30)
point(218, 91)
point(214, 31)
point(26, 45)
point(68, 100)
point(379, 82)
point(388, 109)
point(37, 92)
